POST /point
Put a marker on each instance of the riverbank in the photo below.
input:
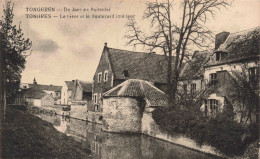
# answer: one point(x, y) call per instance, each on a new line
point(27, 136)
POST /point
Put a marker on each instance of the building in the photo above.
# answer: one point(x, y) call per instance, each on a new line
point(34, 97)
point(66, 92)
point(123, 105)
point(116, 66)
point(54, 91)
point(192, 75)
point(234, 53)
point(81, 92)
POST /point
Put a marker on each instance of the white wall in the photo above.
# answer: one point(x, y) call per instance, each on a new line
point(37, 102)
point(226, 67)
point(64, 95)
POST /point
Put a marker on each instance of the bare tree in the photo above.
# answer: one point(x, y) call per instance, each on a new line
point(172, 38)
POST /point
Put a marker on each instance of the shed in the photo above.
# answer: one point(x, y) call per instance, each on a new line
point(124, 104)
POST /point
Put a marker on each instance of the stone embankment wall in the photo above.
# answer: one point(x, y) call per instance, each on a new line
point(121, 115)
point(94, 117)
point(78, 112)
point(149, 127)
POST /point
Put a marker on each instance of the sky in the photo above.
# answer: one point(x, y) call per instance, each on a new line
point(64, 49)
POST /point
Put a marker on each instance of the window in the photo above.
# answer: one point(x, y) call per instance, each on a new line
point(217, 56)
point(213, 105)
point(95, 98)
point(125, 72)
point(213, 78)
point(220, 55)
point(57, 94)
point(99, 77)
point(105, 76)
point(193, 87)
point(96, 108)
point(253, 74)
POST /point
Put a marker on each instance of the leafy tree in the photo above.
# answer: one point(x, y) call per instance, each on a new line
point(173, 38)
point(13, 48)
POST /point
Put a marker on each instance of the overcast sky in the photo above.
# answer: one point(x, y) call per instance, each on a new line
point(67, 49)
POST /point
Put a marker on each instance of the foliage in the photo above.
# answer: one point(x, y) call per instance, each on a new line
point(221, 132)
point(13, 48)
point(225, 134)
point(242, 90)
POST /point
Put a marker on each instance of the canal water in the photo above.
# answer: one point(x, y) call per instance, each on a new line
point(119, 146)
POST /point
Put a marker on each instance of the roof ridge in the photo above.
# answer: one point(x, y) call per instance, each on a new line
point(45, 85)
point(128, 51)
point(245, 30)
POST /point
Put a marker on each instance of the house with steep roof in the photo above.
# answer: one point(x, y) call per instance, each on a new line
point(192, 75)
point(116, 66)
point(34, 97)
point(234, 52)
point(81, 92)
point(66, 92)
point(123, 105)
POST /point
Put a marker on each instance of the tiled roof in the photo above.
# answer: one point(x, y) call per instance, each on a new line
point(240, 46)
point(139, 65)
point(139, 89)
point(33, 93)
point(45, 87)
point(194, 68)
point(69, 84)
point(86, 86)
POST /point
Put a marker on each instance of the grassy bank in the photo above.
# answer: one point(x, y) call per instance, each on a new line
point(27, 136)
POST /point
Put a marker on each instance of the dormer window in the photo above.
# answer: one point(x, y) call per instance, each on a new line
point(105, 76)
point(220, 55)
point(125, 73)
point(99, 77)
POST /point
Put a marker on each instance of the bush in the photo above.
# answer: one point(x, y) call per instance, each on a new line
point(184, 121)
point(221, 132)
point(225, 134)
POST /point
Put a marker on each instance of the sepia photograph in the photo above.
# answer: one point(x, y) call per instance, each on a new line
point(129, 79)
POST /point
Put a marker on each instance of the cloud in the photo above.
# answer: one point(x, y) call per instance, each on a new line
point(45, 45)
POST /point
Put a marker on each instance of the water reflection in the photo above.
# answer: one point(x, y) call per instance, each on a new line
point(119, 146)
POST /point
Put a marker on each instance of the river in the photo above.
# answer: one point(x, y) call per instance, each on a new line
point(120, 146)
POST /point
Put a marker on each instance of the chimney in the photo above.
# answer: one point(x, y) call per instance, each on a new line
point(105, 47)
point(220, 39)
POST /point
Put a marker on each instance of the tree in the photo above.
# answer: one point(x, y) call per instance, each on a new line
point(172, 38)
point(242, 89)
point(13, 48)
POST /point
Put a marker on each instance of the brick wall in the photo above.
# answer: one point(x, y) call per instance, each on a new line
point(101, 87)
